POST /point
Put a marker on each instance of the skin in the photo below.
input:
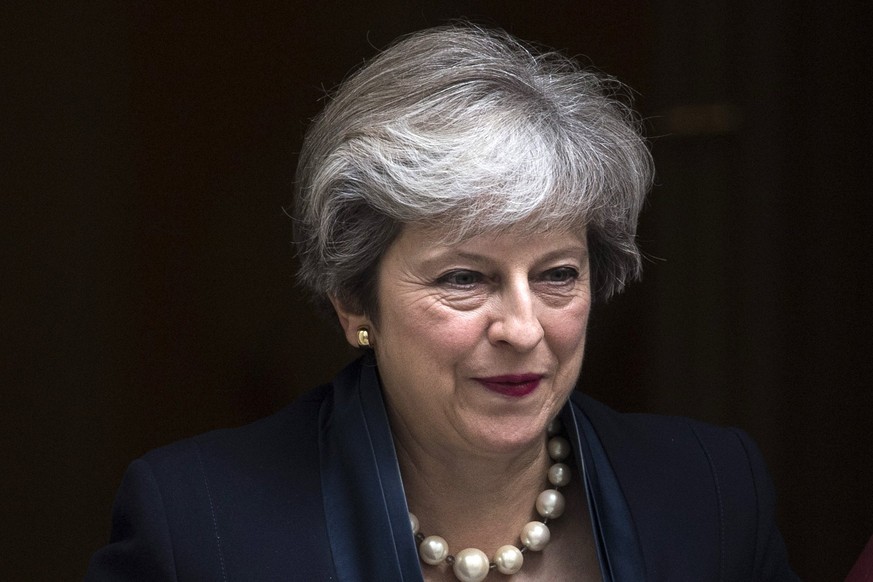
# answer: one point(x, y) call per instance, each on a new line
point(450, 316)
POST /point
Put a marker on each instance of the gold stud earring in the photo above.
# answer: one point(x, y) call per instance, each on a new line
point(363, 337)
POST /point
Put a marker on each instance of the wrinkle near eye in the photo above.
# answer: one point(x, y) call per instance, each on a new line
point(427, 298)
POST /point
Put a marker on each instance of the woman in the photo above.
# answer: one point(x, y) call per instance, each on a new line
point(461, 202)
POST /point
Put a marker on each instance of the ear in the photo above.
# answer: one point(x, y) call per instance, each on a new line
point(350, 321)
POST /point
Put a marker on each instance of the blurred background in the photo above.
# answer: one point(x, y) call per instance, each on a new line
point(148, 292)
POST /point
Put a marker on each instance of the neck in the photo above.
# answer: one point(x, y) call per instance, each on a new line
point(471, 498)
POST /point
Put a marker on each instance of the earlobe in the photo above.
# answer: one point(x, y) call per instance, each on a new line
point(353, 324)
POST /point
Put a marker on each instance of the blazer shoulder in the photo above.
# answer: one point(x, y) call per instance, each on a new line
point(725, 457)
point(233, 500)
point(283, 435)
point(638, 424)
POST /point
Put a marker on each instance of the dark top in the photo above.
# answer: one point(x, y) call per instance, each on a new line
point(314, 493)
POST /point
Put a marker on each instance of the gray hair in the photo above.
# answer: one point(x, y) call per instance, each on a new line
point(467, 131)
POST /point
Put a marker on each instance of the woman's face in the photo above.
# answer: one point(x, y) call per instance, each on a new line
point(479, 344)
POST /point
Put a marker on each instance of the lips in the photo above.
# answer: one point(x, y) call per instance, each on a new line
point(513, 385)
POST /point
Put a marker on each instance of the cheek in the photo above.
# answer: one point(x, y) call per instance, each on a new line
point(567, 330)
point(433, 333)
point(450, 335)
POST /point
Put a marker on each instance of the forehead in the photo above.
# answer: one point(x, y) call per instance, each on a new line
point(427, 244)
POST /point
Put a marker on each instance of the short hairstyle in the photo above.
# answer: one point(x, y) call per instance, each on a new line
point(467, 130)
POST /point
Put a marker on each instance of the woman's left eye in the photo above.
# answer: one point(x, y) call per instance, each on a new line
point(561, 275)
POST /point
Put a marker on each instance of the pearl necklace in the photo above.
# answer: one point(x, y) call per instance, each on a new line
point(472, 564)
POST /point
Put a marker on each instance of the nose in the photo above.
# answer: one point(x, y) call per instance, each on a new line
point(515, 322)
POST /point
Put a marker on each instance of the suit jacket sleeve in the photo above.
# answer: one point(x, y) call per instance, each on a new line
point(139, 546)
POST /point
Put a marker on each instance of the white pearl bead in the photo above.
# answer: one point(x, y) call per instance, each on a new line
point(535, 535)
point(471, 565)
point(550, 504)
point(433, 550)
point(559, 474)
point(508, 559)
point(554, 427)
point(559, 448)
point(413, 523)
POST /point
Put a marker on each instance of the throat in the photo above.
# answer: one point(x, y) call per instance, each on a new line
point(480, 520)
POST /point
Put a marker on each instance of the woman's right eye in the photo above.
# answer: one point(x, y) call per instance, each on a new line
point(461, 278)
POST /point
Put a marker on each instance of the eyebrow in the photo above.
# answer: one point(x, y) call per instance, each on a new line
point(576, 250)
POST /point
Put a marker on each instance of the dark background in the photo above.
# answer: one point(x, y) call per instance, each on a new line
point(147, 273)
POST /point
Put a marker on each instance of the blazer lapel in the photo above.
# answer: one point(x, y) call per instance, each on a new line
point(365, 505)
point(616, 538)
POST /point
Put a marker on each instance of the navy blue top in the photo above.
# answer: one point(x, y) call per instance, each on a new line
point(314, 492)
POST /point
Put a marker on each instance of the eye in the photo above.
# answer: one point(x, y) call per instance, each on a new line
point(561, 275)
point(461, 278)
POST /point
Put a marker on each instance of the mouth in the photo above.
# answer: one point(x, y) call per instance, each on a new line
point(513, 385)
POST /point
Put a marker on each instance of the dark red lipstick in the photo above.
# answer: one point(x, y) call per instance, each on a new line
point(513, 385)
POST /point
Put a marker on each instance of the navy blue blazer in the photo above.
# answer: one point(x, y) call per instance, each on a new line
point(314, 493)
